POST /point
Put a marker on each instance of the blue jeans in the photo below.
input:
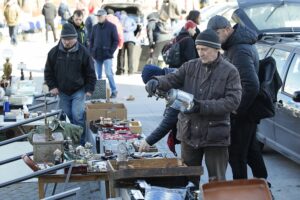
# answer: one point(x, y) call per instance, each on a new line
point(74, 107)
point(108, 71)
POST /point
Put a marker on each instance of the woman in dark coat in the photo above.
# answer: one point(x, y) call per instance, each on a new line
point(194, 15)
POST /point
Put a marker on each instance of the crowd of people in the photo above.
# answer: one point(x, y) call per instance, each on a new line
point(224, 85)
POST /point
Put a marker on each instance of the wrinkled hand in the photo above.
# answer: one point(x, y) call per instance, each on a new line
point(194, 109)
point(88, 94)
point(54, 91)
point(144, 146)
point(151, 86)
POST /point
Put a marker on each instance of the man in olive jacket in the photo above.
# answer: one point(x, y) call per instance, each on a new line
point(215, 84)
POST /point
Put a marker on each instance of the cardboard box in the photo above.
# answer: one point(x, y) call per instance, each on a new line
point(135, 127)
point(107, 110)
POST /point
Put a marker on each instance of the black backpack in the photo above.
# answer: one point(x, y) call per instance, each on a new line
point(171, 52)
point(270, 83)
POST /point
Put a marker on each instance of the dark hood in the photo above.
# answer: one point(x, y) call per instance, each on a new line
point(183, 33)
point(241, 35)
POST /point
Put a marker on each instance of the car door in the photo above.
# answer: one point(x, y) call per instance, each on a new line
point(287, 118)
point(266, 128)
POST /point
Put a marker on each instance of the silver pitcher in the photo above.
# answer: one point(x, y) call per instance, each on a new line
point(180, 100)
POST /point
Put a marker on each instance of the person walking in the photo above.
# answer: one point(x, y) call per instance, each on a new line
point(158, 34)
point(103, 44)
point(77, 21)
point(70, 74)
point(238, 45)
point(129, 26)
point(205, 128)
point(90, 21)
point(111, 17)
point(12, 15)
point(170, 10)
point(64, 11)
point(49, 12)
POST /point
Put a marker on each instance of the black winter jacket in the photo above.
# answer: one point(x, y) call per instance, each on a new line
point(187, 47)
point(71, 70)
point(49, 11)
point(81, 32)
point(104, 40)
point(239, 49)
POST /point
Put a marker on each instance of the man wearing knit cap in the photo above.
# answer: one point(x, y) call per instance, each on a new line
point(70, 74)
point(238, 45)
point(215, 84)
point(187, 46)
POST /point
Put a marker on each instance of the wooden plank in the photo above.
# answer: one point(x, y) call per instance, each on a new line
point(149, 163)
point(153, 168)
point(158, 172)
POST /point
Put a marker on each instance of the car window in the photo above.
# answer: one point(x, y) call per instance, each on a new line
point(262, 50)
point(292, 83)
point(272, 16)
point(281, 57)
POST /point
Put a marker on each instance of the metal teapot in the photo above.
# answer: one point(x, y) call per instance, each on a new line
point(180, 100)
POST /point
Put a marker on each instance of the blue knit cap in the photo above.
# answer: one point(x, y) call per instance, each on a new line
point(151, 70)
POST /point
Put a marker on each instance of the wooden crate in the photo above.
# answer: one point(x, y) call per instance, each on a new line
point(149, 168)
point(237, 189)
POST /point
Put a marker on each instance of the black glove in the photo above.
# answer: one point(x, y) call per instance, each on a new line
point(194, 109)
point(151, 86)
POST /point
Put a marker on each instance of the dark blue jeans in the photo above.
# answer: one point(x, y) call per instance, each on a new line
point(13, 30)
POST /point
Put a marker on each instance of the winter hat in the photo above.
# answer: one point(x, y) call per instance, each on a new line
point(68, 31)
point(218, 22)
point(208, 38)
point(151, 70)
point(189, 24)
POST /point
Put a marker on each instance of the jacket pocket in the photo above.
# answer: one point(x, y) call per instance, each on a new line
point(218, 131)
point(183, 127)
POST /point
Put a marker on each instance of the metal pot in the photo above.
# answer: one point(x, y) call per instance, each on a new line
point(180, 100)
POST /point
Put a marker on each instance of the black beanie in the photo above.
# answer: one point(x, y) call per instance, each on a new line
point(208, 38)
point(68, 31)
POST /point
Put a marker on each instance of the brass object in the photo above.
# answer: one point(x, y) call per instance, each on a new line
point(7, 69)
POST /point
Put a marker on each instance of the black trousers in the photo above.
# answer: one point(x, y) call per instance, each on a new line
point(13, 34)
point(244, 149)
point(51, 24)
point(128, 46)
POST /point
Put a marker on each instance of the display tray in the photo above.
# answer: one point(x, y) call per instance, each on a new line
point(160, 167)
point(236, 189)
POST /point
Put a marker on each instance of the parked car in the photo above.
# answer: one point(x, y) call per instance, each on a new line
point(224, 9)
point(278, 24)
